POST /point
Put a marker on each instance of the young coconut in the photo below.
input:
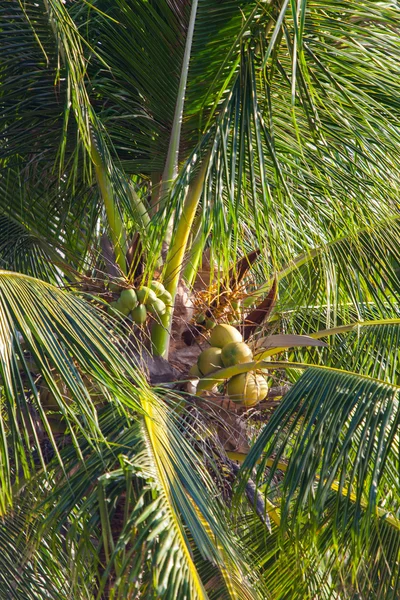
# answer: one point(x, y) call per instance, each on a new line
point(157, 287)
point(236, 353)
point(209, 360)
point(117, 284)
point(112, 307)
point(222, 335)
point(194, 372)
point(166, 298)
point(121, 309)
point(128, 299)
point(247, 389)
point(209, 324)
point(157, 308)
point(139, 314)
point(145, 295)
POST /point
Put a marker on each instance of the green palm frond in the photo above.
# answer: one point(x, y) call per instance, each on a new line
point(25, 252)
point(149, 506)
point(271, 188)
point(357, 271)
point(23, 577)
point(53, 342)
point(284, 148)
point(36, 96)
point(371, 350)
point(338, 432)
point(292, 570)
point(45, 181)
point(364, 347)
point(292, 111)
point(135, 96)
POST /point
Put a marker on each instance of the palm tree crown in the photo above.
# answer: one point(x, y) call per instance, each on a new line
point(245, 154)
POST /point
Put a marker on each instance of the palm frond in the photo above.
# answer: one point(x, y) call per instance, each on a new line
point(338, 432)
point(285, 150)
point(45, 181)
point(364, 347)
point(144, 502)
point(23, 577)
point(53, 342)
point(292, 570)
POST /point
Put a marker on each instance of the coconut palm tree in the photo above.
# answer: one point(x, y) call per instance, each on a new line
point(243, 154)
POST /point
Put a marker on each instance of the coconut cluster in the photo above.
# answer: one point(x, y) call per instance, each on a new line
point(138, 302)
point(227, 350)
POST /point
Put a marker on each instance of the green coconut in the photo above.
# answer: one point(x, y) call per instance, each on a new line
point(210, 324)
point(236, 353)
point(166, 298)
point(201, 319)
point(222, 335)
point(139, 314)
point(145, 295)
point(112, 307)
point(128, 299)
point(247, 388)
point(209, 360)
point(157, 308)
point(117, 284)
point(194, 372)
point(122, 310)
point(157, 287)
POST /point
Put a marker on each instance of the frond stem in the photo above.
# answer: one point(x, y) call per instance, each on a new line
point(176, 252)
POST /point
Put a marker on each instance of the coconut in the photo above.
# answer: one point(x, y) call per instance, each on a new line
point(139, 314)
point(236, 353)
point(128, 299)
point(247, 388)
point(209, 360)
point(123, 310)
point(209, 324)
point(112, 307)
point(115, 284)
point(157, 308)
point(224, 334)
point(157, 287)
point(194, 372)
point(145, 295)
point(166, 298)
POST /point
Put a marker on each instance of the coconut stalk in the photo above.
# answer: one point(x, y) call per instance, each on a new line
point(138, 208)
point(115, 223)
point(171, 164)
point(174, 260)
point(195, 253)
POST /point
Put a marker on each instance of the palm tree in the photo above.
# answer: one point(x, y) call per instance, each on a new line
point(244, 154)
